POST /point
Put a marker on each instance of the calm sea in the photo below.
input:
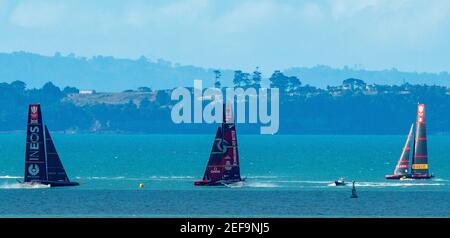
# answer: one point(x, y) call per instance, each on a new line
point(287, 176)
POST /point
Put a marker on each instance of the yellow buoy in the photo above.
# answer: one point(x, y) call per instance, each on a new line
point(141, 185)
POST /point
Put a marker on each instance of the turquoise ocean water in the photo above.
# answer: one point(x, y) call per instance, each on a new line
point(287, 176)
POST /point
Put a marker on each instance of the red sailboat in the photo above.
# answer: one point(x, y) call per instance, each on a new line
point(419, 167)
point(223, 165)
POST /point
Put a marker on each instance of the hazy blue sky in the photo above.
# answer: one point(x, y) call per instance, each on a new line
point(374, 34)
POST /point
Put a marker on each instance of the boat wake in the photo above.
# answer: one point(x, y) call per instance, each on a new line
point(321, 184)
point(440, 180)
point(387, 184)
point(395, 184)
point(255, 184)
point(262, 177)
point(10, 177)
point(23, 186)
point(158, 178)
point(235, 185)
point(171, 178)
point(303, 181)
point(101, 178)
point(333, 184)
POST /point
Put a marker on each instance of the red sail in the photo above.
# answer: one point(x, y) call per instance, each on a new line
point(420, 153)
point(223, 164)
point(214, 169)
point(403, 163)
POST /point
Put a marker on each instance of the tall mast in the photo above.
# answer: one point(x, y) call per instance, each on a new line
point(420, 154)
point(35, 158)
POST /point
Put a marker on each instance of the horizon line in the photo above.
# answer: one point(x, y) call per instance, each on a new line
point(355, 67)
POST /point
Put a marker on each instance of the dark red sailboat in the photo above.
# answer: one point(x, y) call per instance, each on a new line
point(419, 167)
point(223, 165)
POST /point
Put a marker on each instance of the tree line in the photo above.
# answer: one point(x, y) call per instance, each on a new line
point(351, 108)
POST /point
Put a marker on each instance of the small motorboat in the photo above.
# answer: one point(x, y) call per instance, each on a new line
point(340, 182)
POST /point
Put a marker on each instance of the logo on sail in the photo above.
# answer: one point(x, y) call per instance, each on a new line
point(222, 145)
point(421, 113)
point(34, 109)
point(228, 165)
point(421, 108)
point(33, 169)
point(420, 166)
point(215, 171)
point(34, 114)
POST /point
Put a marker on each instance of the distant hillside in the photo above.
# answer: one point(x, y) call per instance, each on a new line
point(109, 74)
point(353, 107)
point(109, 98)
point(323, 76)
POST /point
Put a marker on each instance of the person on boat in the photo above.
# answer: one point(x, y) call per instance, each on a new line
point(339, 182)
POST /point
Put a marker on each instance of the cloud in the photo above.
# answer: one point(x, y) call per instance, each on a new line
point(171, 14)
point(406, 25)
point(312, 12)
point(37, 14)
point(275, 34)
point(349, 8)
point(245, 16)
point(185, 9)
